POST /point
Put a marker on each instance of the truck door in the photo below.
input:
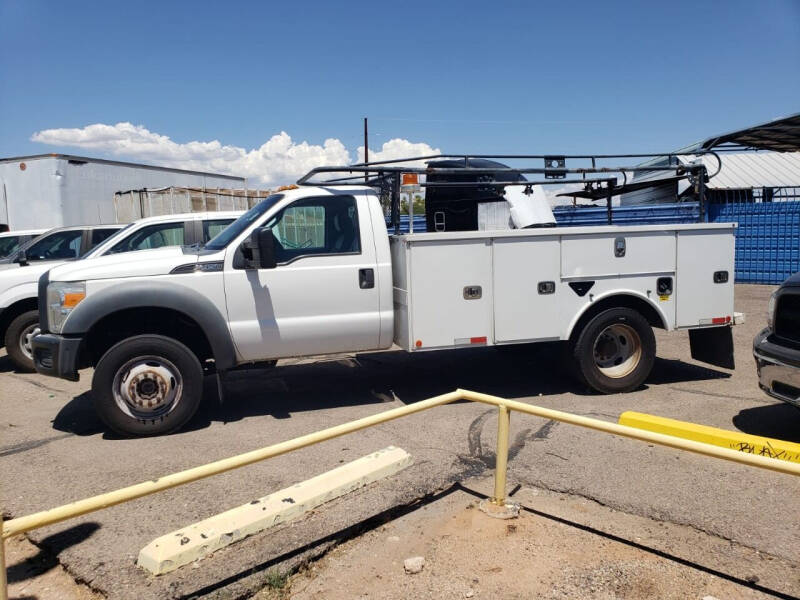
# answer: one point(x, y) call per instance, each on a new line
point(321, 298)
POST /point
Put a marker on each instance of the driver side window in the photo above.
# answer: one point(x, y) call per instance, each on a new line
point(313, 226)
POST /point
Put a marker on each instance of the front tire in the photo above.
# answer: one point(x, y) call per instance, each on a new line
point(19, 334)
point(615, 351)
point(147, 385)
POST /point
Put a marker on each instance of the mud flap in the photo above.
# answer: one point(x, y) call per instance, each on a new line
point(713, 345)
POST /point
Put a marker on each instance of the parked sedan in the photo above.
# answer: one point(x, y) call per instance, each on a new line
point(777, 347)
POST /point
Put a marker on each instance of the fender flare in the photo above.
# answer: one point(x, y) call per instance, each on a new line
point(613, 294)
point(18, 293)
point(146, 294)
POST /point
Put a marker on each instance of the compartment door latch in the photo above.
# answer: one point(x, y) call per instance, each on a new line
point(619, 247)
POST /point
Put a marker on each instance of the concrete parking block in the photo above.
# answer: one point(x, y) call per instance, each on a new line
point(181, 547)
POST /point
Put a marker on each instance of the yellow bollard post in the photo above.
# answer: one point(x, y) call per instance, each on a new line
point(501, 460)
point(496, 506)
point(3, 578)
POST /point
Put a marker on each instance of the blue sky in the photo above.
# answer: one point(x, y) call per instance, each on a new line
point(458, 76)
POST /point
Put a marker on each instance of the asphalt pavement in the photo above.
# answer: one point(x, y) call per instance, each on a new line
point(54, 450)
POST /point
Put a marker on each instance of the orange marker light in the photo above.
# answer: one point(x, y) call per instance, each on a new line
point(71, 299)
point(418, 344)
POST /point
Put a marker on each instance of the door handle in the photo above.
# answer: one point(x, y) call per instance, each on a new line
point(366, 278)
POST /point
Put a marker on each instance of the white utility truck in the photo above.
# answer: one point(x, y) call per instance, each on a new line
point(311, 270)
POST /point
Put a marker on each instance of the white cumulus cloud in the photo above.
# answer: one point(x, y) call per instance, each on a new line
point(398, 148)
point(277, 161)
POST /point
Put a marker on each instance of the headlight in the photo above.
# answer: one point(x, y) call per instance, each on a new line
point(62, 297)
point(771, 311)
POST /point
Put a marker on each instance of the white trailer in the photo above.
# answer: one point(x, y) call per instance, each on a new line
point(58, 190)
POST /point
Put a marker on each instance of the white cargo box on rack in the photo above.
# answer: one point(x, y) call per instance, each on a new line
point(503, 287)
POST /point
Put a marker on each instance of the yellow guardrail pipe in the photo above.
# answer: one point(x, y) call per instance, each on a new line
point(752, 460)
point(94, 503)
point(81, 507)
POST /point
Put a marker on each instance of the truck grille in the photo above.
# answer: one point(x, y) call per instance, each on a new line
point(787, 317)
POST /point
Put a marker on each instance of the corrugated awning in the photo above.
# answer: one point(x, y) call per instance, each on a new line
point(781, 135)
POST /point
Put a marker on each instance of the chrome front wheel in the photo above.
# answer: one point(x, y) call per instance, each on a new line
point(147, 387)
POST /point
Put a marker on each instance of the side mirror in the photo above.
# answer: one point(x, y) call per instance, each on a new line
point(261, 249)
point(22, 258)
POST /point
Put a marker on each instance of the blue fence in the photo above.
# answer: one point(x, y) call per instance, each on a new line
point(767, 238)
point(419, 224)
point(645, 214)
point(573, 216)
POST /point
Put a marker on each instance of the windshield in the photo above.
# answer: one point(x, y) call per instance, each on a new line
point(8, 244)
point(230, 233)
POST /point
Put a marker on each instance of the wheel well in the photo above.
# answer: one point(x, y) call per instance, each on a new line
point(126, 323)
point(641, 306)
point(12, 312)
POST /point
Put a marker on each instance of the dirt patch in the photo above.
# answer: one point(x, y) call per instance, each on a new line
point(35, 574)
point(553, 552)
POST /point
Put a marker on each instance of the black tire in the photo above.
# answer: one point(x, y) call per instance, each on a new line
point(168, 392)
point(614, 351)
point(17, 347)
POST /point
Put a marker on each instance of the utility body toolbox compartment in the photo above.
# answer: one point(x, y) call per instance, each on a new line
point(456, 289)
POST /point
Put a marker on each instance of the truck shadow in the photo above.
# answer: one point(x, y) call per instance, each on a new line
point(779, 421)
point(6, 366)
point(49, 549)
point(383, 377)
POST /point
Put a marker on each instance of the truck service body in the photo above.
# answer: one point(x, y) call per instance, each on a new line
point(312, 270)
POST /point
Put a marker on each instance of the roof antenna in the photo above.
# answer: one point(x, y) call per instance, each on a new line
point(366, 151)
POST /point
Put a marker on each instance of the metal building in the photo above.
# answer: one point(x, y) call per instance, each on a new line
point(52, 190)
point(754, 161)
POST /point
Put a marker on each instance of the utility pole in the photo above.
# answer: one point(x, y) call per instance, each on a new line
point(366, 149)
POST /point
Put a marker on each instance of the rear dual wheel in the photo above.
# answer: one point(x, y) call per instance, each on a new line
point(615, 351)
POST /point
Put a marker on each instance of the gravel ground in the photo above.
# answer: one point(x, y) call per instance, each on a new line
point(560, 547)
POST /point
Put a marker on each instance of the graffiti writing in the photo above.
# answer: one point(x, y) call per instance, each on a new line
point(766, 450)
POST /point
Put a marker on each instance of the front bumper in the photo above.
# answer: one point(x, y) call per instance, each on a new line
point(778, 368)
point(56, 355)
